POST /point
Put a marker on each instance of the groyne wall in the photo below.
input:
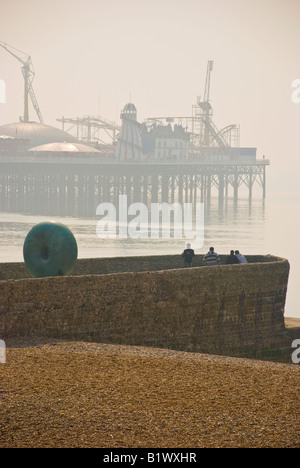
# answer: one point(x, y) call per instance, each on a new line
point(235, 310)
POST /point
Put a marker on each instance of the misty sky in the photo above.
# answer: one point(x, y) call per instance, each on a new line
point(95, 56)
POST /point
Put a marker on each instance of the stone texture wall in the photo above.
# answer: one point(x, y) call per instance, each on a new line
point(230, 310)
point(98, 266)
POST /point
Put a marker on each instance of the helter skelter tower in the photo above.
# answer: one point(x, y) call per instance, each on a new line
point(129, 147)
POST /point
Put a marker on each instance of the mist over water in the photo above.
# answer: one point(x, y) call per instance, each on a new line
point(259, 227)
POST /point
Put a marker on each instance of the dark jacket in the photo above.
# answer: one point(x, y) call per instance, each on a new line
point(232, 259)
point(188, 255)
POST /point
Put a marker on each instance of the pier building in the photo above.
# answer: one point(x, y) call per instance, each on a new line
point(45, 170)
point(129, 147)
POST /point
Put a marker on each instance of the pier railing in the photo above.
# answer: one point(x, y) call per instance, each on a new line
point(86, 159)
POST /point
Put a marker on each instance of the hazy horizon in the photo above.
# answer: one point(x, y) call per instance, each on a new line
point(91, 58)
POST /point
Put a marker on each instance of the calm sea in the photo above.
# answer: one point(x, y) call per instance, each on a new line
point(262, 227)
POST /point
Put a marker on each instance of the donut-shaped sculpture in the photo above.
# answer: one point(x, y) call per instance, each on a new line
point(50, 249)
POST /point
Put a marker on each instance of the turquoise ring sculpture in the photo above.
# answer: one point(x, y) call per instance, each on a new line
point(50, 249)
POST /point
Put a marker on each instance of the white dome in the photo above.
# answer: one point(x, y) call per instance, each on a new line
point(64, 147)
point(36, 133)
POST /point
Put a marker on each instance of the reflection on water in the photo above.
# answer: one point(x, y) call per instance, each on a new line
point(234, 226)
point(239, 225)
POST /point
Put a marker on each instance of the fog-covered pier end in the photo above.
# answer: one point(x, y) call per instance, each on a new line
point(166, 159)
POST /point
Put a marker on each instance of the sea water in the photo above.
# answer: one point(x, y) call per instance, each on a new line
point(268, 226)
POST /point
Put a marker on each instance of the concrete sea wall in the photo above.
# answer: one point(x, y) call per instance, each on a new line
point(235, 310)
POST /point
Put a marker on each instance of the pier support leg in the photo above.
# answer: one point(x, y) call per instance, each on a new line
point(154, 186)
point(172, 189)
point(226, 185)
point(202, 189)
point(236, 187)
point(208, 190)
point(250, 186)
point(180, 189)
point(221, 189)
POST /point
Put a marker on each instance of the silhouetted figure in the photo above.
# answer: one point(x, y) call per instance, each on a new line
point(232, 259)
point(211, 258)
point(188, 255)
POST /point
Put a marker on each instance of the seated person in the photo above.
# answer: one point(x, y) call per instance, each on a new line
point(232, 259)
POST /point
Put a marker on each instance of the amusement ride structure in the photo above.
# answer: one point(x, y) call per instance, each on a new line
point(161, 159)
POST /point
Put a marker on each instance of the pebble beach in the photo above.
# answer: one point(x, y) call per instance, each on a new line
point(58, 394)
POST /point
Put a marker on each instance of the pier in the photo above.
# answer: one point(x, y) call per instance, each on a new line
point(74, 185)
point(162, 160)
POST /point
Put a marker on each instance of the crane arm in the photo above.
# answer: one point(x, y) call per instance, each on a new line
point(8, 48)
point(35, 103)
point(210, 65)
point(28, 74)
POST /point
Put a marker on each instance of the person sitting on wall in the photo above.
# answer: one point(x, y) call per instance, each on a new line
point(211, 258)
point(232, 259)
point(188, 255)
point(241, 257)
